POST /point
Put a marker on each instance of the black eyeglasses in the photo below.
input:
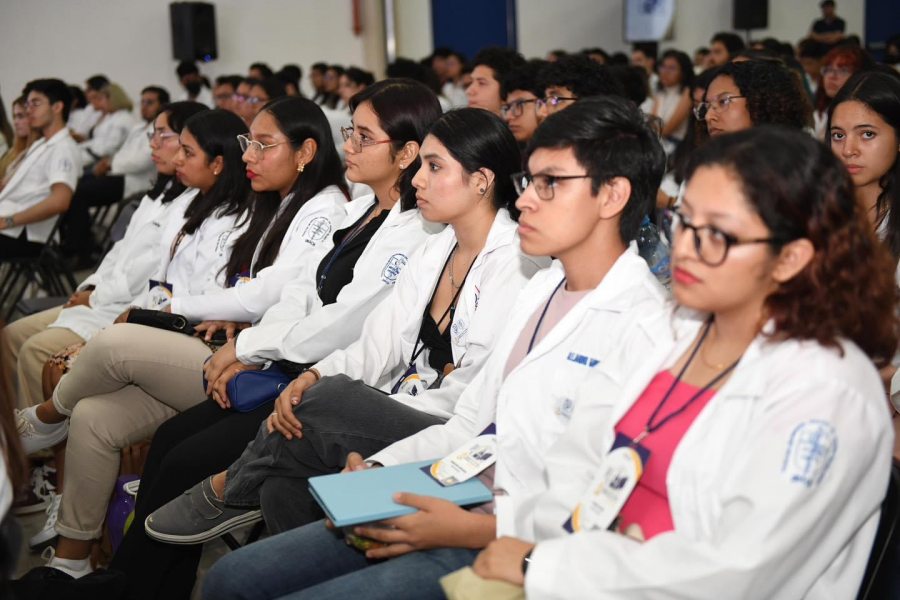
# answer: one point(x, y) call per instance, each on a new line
point(514, 108)
point(544, 185)
point(711, 243)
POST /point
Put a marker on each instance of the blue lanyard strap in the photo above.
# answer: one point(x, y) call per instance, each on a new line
point(543, 314)
point(651, 425)
point(347, 239)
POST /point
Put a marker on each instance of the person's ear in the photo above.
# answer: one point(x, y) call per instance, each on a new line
point(57, 107)
point(613, 196)
point(216, 165)
point(792, 259)
point(306, 152)
point(483, 180)
point(408, 153)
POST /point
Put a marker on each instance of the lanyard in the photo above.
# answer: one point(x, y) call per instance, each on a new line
point(419, 346)
point(543, 314)
point(344, 242)
point(652, 424)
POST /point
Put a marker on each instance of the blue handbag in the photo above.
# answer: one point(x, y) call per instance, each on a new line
point(249, 390)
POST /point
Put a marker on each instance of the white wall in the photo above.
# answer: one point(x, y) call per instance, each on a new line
point(130, 40)
point(412, 22)
point(576, 24)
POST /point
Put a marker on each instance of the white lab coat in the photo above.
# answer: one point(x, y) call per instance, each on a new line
point(126, 268)
point(108, 136)
point(134, 161)
point(775, 489)
point(198, 266)
point(304, 244)
point(300, 329)
point(82, 120)
point(382, 354)
point(46, 163)
point(531, 406)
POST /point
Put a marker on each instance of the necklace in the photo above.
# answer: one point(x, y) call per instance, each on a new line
point(712, 365)
point(450, 269)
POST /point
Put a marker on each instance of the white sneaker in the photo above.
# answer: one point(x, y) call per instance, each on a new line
point(37, 435)
point(48, 531)
point(73, 567)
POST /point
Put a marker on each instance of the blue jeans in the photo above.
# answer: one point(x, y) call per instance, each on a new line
point(313, 562)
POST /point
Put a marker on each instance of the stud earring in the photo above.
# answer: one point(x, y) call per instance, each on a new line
point(402, 166)
point(482, 190)
point(300, 167)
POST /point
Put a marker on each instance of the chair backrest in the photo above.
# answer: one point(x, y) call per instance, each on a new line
point(882, 573)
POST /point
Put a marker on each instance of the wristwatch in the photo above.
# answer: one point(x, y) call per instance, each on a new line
point(9, 222)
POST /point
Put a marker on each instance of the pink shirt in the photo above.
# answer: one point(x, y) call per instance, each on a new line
point(562, 302)
point(646, 512)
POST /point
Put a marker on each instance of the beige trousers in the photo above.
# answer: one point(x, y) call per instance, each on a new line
point(25, 345)
point(127, 381)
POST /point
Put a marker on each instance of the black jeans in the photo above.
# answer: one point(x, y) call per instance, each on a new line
point(339, 416)
point(195, 444)
point(18, 247)
point(75, 226)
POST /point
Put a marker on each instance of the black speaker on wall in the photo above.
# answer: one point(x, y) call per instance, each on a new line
point(750, 14)
point(193, 31)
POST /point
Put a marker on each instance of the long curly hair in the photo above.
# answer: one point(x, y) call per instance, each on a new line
point(801, 190)
point(775, 95)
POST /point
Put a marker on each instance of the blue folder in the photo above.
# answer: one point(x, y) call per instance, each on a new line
point(366, 496)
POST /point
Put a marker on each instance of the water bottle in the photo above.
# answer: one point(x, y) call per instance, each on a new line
point(654, 250)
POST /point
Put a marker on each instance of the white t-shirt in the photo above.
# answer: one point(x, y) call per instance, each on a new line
point(46, 163)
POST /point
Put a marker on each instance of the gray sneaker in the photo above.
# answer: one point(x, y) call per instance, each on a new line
point(197, 516)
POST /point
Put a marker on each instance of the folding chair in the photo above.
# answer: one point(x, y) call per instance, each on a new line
point(47, 271)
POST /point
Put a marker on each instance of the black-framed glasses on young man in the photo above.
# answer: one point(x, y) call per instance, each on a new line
point(358, 141)
point(719, 104)
point(514, 108)
point(711, 243)
point(544, 185)
point(256, 148)
point(552, 102)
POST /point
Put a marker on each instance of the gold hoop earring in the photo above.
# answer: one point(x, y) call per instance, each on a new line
point(300, 167)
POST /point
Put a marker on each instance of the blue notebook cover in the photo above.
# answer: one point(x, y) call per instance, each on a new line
point(366, 496)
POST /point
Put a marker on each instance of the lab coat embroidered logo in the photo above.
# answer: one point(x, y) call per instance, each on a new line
point(316, 230)
point(392, 268)
point(811, 449)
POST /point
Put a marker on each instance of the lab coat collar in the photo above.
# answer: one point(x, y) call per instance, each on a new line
point(613, 294)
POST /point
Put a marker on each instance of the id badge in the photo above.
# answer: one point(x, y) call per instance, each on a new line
point(467, 461)
point(409, 383)
point(619, 474)
point(239, 279)
point(160, 294)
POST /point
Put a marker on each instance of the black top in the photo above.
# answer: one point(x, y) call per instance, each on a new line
point(835, 25)
point(440, 353)
point(340, 272)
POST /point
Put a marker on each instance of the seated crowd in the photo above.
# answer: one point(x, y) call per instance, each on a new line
point(650, 303)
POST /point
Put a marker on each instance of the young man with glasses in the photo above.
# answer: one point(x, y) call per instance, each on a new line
point(572, 78)
point(521, 90)
point(42, 186)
